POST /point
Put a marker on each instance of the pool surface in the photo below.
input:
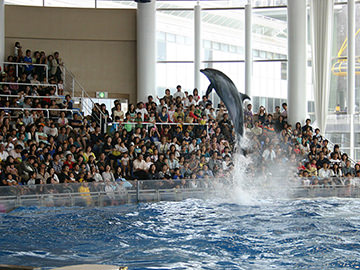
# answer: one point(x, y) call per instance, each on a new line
point(191, 234)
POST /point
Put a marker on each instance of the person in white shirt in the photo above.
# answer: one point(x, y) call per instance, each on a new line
point(16, 152)
point(148, 163)
point(324, 172)
point(269, 153)
point(35, 79)
point(336, 171)
point(141, 110)
point(108, 175)
point(139, 168)
point(178, 93)
point(163, 146)
point(189, 101)
point(3, 153)
point(193, 146)
point(173, 163)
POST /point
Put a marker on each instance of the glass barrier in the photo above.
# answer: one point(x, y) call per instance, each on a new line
point(100, 193)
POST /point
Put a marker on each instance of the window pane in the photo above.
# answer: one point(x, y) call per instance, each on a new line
point(70, 3)
point(169, 75)
point(116, 4)
point(224, 29)
point(357, 62)
point(24, 2)
point(268, 80)
point(338, 85)
point(270, 33)
point(178, 27)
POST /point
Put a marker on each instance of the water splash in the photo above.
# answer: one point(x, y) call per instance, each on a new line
point(249, 187)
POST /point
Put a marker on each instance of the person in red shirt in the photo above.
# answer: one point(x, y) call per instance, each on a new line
point(69, 162)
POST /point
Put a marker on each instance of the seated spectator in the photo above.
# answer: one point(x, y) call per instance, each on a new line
point(139, 168)
point(325, 172)
point(348, 169)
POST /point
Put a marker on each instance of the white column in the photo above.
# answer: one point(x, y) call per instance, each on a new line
point(296, 61)
point(2, 33)
point(197, 46)
point(351, 71)
point(321, 32)
point(248, 49)
point(146, 50)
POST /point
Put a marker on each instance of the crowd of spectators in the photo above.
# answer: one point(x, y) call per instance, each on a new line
point(177, 136)
point(37, 73)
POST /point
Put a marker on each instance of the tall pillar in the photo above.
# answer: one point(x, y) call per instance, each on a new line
point(296, 61)
point(197, 46)
point(248, 49)
point(351, 72)
point(146, 50)
point(2, 33)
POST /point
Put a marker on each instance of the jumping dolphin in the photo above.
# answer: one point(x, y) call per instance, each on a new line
point(231, 97)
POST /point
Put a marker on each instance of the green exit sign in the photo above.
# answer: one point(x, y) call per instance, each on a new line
point(101, 94)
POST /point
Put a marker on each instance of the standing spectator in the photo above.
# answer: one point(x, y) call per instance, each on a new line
point(284, 112)
point(17, 49)
point(277, 113)
point(248, 114)
point(142, 110)
point(178, 93)
point(56, 65)
point(28, 60)
point(118, 112)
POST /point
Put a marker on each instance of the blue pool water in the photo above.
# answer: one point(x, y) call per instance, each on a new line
point(192, 234)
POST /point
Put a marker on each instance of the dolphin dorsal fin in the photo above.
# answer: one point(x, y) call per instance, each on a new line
point(210, 88)
point(243, 97)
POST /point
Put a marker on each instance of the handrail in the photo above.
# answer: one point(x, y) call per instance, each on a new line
point(84, 94)
point(159, 123)
point(41, 109)
point(31, 84)
point(27, 96)
point(23, 64)
point(38, 109)
point(331, 144)
point(26, 64)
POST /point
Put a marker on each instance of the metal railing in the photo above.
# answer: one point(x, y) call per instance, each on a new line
point(27, 96)
point(25, 64)
point(73, 87)
point(42, 109)
point(32, 84)
point(151, 124)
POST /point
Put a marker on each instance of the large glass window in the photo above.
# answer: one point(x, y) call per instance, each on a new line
point(268, 80)
point(223, 34)
point(175, 35)
point(357, 55)
point(115, 4)
point(69, 3)
point(24, 2)
point(169, 75)
point(269, 27)
point(338, 86)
